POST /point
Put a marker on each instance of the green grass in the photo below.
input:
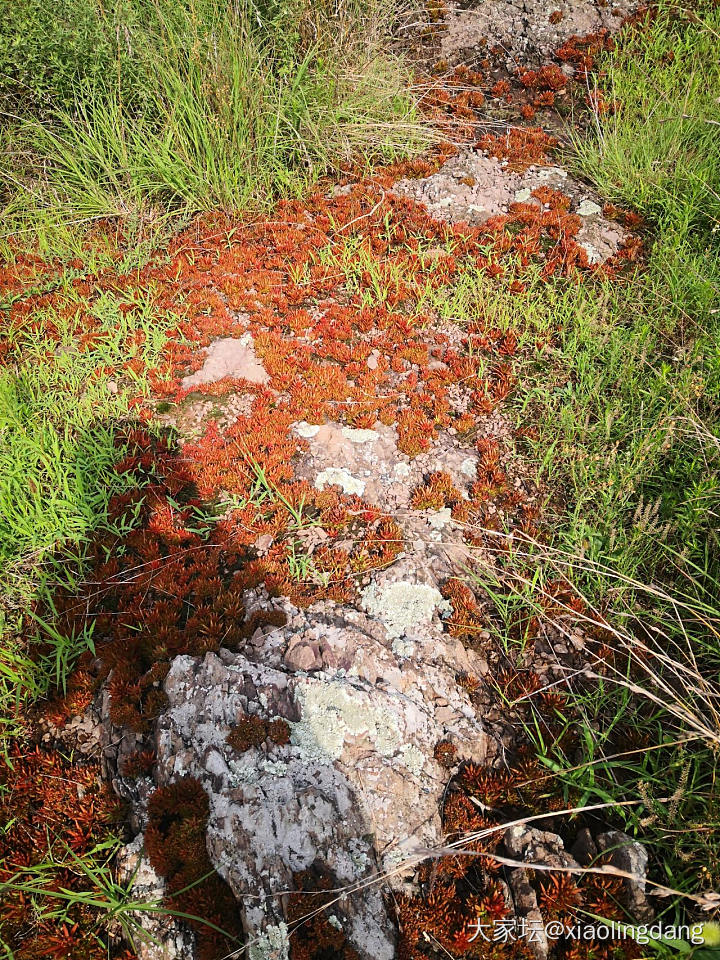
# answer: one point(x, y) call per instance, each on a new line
point(653, 374)
point(660, 152)
point(62, 405)
point(630, 407)
point(111, 902)
point(179, 108)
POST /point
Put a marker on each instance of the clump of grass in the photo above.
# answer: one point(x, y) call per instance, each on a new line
point(202, 105)
point(62, 404)
point(658, 389)
point(660, 151)
point(632, 408)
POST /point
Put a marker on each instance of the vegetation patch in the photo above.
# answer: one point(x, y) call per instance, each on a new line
point(123, 548)
point(134, 110)
point(175, 844)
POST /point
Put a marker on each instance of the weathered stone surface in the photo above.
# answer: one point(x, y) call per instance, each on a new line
point(523, 28)
point(368, 462)
point(525, 905)
point(228, 357)
point(537, 846)
point(367, 696)
point(627, 854)
point(471, 188)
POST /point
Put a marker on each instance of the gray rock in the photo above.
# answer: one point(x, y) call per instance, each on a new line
point(526, 906)
point(584, 849)
point(356, 789)
point(627, 854)
point(471, 188)
point(523, 28)
point(228, 357)
point(537, 846)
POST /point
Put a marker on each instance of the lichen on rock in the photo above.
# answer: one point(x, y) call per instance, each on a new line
point(341, 477)
point(334, 710)
point(273, 944)
point(403, 607)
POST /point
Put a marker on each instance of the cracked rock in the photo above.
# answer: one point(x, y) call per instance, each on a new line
point(357, 787)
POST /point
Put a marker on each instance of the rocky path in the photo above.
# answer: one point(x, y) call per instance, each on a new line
point(302, 699)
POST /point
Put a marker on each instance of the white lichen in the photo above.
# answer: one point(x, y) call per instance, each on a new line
point(359, 436)
point(413, 758)
point(339, 476)
point(552, 173)
point(468, 467)
point(588, 208)
point(403, 648)
point(358, 852)
point(332, 712)
point(522, 196)
point(593, 254)
point(403, 606)
point(274, 944)
point(392, 859)
point(402, 470)
point(248, 771)
point(306, 430)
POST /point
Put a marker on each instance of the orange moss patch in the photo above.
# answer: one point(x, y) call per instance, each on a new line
point(547, 78)
point(52, 805)
point(436, 492)
point(582, 52)
point(445, 753)
point(253, 731)
point(312, 936)
point(461, 907)
point(520, 146)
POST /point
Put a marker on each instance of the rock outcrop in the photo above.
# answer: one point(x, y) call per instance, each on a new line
point(366, 694)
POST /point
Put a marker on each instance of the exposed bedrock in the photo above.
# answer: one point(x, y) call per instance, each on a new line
point(366, 693)
point(528, 31)
point(366, 696)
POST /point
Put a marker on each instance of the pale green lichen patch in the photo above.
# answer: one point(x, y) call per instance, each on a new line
point(413, 758)
point(403, 606)
point(359, 436)
point(340, 477)
point(404, 649)
point(274, 944)
point(253, 769)
point(333, 712)
point(588, 208)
